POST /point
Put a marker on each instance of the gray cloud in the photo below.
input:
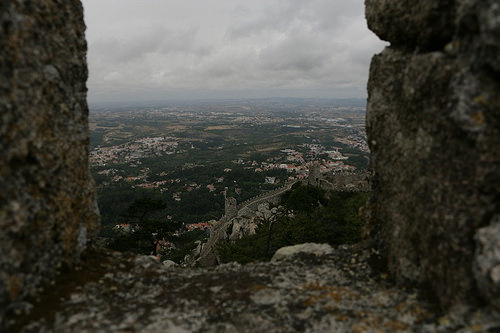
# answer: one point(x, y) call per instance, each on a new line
point(137, 46)
point(163, 49)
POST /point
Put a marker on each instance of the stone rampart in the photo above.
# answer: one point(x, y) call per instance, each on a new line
point(47, 197)
point(270, 196)
point(434, 131)
point(433, 126)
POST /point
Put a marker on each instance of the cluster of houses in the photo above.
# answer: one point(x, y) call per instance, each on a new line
point(200, 225)
point(291, 160)
point(294, 162)
point(355, 142)
point(135, 150)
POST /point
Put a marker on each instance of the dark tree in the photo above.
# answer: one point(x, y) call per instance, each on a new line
point(140, 208)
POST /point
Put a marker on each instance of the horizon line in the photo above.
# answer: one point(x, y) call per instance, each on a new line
point(185, 101)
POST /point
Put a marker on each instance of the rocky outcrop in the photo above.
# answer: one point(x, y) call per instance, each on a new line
point(433, 126)
point(306, 248)
point(247, 221)
point(243, 224)
point(47, 201)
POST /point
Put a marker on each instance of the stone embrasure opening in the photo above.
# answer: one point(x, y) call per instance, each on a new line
point(434, 129)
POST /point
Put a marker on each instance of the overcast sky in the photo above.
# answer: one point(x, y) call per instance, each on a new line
point(187, 49)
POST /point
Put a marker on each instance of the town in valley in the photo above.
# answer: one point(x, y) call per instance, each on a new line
point(189, 156)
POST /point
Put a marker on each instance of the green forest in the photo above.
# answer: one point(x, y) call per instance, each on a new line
point(310, 215)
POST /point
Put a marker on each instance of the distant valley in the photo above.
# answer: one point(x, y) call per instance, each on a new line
point(189, 156)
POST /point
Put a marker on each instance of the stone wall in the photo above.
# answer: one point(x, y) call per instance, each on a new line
point(230, 207)
point(314, 176)
point(433, 125)
point(349, 182)
point(47, 199)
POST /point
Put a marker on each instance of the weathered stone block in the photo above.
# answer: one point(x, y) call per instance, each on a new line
point(434, 131)
point(428, 24)
point(47, 197)
point(487, 261)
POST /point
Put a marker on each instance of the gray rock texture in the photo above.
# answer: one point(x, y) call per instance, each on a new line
point(306, 248)
point(433, 126)
point(335, 292)
point(487, 261)
point(244, 223)
point(47, 205)
point(426, 24)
